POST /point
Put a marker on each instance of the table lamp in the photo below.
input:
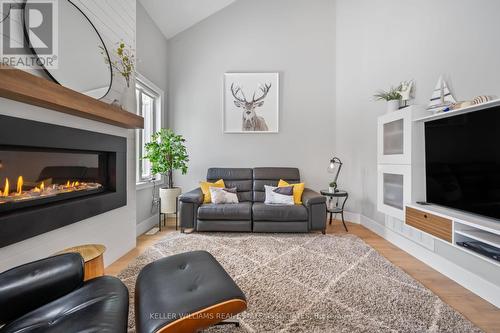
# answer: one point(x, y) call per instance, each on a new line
point(334, 167)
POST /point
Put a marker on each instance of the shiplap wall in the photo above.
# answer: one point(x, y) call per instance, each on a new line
point(115, 20)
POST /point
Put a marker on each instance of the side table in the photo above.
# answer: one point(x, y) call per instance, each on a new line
point(92, 256)
point(338, 209)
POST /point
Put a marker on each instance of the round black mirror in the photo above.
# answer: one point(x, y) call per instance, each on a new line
point(81, 52)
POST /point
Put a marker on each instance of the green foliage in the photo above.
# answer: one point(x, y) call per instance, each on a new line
point(125, 63)
point(167, 153)
point(333, 184)
point(389, 95)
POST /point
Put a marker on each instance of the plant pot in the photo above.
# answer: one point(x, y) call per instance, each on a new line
point(393, 105)
point(331, 189)
point(168, 199)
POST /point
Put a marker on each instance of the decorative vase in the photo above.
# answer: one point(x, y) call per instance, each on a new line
point(331, 189)
point(168, 199)
point(393, 105)
point(128, 99)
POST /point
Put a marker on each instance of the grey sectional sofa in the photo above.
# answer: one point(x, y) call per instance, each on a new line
point(251, 214)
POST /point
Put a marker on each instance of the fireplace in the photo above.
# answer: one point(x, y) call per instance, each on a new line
point(52, 176)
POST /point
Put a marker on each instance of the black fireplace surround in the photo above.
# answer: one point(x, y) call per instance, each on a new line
point(52, 176)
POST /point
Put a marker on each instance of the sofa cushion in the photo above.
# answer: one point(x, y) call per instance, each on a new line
point(271, 177)
point(234, 177)
point(240, 212)
point(263, 212)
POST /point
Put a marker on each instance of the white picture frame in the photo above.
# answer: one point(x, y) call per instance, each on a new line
point(251, 103)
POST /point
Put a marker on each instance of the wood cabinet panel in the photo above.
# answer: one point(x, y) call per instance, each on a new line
point(432, 224)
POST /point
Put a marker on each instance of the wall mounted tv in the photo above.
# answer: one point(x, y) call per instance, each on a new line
point(462, 155)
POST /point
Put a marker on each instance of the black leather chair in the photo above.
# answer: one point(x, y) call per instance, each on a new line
point(49, 295)
point(251, 214)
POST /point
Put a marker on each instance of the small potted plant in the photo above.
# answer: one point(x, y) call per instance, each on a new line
point(391, 96)
point(167, 153)
point(332, 187)
point(124, 65)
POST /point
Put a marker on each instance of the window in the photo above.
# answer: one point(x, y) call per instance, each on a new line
point(149, 106)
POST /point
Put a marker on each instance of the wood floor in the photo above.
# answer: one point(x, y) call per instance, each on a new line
point(477, 310)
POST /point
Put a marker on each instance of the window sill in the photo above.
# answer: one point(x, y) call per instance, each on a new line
point(148, 184)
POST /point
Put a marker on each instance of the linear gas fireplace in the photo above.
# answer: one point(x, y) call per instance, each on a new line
point(52, 176)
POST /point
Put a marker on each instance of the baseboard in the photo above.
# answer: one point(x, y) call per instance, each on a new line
point(465, 278)
point(352, 217)
point(147, 224)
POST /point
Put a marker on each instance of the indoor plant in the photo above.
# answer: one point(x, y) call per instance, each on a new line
point(332, 187)
point(124, 65)
point(391, 96)
point(167, 153)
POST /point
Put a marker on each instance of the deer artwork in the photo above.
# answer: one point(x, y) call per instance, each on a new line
point(251, 121)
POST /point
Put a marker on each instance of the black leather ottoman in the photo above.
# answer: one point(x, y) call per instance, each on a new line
point(185, 293)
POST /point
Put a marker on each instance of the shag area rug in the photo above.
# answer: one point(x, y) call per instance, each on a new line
point(312, 283)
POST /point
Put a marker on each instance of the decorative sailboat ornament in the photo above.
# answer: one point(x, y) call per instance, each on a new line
point(441, 97)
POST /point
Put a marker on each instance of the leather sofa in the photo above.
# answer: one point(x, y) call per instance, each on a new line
point(49, 295)
point(251, 214)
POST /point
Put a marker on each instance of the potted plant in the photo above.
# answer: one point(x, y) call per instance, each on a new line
point(124, 65)
point(332, 187)
point(167, 153)
point(391, 96)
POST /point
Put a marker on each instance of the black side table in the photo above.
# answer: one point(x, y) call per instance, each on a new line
point(339, 195)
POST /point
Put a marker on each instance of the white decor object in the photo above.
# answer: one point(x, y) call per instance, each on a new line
point(128, 98)
point(441, 96)
point(251, 103)
point(168, 199)
point(223, 195)
point(331, 189)
point(274, 198)
point(393, 105)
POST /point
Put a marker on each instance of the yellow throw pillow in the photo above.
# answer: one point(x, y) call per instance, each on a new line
point(298, 189)
point(205, 188)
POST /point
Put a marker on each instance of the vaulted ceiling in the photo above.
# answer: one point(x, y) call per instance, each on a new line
point(175, 16)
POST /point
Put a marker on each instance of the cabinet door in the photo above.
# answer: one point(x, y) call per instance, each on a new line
point(394, 138)
point(394, 189)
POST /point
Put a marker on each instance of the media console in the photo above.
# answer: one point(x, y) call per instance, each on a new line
point(431, 233)
point(455, 227)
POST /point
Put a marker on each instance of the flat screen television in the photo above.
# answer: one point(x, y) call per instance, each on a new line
point(462, 155)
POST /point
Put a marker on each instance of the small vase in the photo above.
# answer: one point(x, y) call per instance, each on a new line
point(331, 189)
point(127, 99)
point(393, 105)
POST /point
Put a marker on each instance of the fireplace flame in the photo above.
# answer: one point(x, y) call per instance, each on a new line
point(20, 182)
point(6, 189)
point(41, 190)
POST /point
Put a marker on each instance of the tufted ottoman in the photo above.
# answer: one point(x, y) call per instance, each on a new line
point(186, 292)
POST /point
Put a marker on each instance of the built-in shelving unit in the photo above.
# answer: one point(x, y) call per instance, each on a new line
point(447, 114)
point(466, 228)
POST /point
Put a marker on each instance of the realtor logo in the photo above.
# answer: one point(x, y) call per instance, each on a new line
point(29, 33)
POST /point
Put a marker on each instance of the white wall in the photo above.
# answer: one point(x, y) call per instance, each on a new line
point(152, 64)
point(293, 37)
point(383, 42)
point(115, 19)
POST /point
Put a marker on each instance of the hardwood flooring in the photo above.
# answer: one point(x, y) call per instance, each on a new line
point(477, 310)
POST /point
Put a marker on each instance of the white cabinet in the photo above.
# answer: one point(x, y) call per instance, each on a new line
point(394, 189)
point(399, 157)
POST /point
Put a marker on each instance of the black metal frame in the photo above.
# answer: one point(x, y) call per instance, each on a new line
point(49, 74)
point(162, 217)
point(25, 223)
point(338, 194)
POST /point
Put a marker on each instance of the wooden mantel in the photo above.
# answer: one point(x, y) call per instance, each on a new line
point(27, 88)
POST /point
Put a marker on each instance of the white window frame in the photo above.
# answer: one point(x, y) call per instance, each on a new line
point(151, 89)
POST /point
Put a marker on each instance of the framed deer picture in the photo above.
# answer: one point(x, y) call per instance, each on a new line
point(251, 103)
